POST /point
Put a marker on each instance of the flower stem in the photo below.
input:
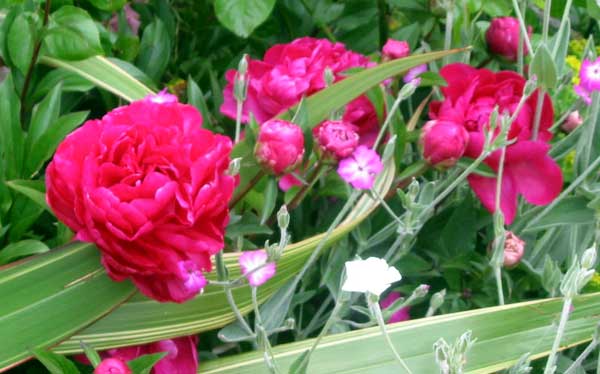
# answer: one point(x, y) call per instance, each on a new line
point(388, 120)
point(523, 27)
point(589, 349)
point(546, 24)
point(448, 32)
point(266, 345)
point(499, 231)
point(238, 120)
point(498, 276)
point(564, 317)
point(521, 50)
point(314, 177)
point(538, 114)
point(376, 310)
point(236, 199)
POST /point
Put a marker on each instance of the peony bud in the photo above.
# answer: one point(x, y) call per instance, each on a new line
point(394, 49)
point(572, 121)
point(280, 146)
point(503, 37)
point(443, 142)
point(337, 139)
point(112, 366)
point(514, 248)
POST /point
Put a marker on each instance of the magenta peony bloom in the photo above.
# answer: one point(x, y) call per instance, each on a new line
point(399, 316)
point(112, 366)
point(293, 70)
point(132, 17)
point(250, 260)
point(503, 37)
point(470, 97)
point(393, 49)
point(443, 142)
point(149, 187)
point(280, 146)
point(361, 168)
point(361, 113)
point(181, 357)
point(336, 139)
point(589, 80)
point(514, 248)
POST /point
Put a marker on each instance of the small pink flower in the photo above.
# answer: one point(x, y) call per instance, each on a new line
point(514, 248)
point(394, 49)
point(336, 138)
point(400, 315)
point(131, 16)
point(280, 146)
point(503, 37)
point(250, 260)
point(589, 80)
point(193, 279)
point(361, 168)
point(443, 142)
point(414, 73)
point(572, 121)
point(163, 97)
point(112, 366)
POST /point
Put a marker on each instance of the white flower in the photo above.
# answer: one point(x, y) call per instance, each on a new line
point(372, 275)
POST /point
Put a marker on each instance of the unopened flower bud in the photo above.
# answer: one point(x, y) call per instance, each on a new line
point(243, 65)
point(394, 49)
point(421, 291)
point(234, 166)
point(409, 88)
point(588, 259)
point(514, 248)
point(283, 217)
point(503, 37)
point(437, 299)
point(572, 121)
point(280, 146)
point(112, 366)
point(328, 76)
point(336, 139)
point(443, 142)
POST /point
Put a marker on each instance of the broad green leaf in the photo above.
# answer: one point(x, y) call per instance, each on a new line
point(143, 364)
point(56, 364)
point(104, 74)
point(33, 189)
point(242, 17)
point(11, 135)
point(108, 5)
point(20, 41)
point(569, 211)
point(503, 333)
point(44, 114)
point(544, 68)
point(196, 98)
point(270, 195)
point(155, 50)
point(75, 35)
point(20, 249)
point(48, 298)
point(70, 81)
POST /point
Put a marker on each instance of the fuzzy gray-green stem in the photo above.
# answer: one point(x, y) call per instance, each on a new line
point(564, 317)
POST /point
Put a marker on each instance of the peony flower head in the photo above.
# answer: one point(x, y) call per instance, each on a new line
point(402, 314)
point(361, 168)
point(393, 49)
point(443, 142)
point(250, 260)
point(280, 146)
point(150, 188)
point(372, 275)
point(336, 138)
point(589, 80)
point(514, 248)
point(502, 37)
point(112, 366)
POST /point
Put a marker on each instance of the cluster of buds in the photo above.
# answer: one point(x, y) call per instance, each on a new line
point(452, 358)
point(579, 274)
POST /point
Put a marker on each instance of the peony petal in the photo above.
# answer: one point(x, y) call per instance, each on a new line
point(485, 189)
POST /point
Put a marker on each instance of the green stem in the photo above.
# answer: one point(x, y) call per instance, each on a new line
point(312, 325)
point(238, 315)
point(498, 276)
point(236, 199)
point(499, 230)
point(266, 345)
point(238, 120)
point(521, 50)
point(589, 349)
point(448, 32)
point(388, 120)
point(385, 206)
point(564, 19)
point(314, 177)
point(546, 24)
point(523, 27)
point(538, 114)
point(564, 317)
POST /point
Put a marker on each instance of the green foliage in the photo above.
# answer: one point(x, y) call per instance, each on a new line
point(242, 17)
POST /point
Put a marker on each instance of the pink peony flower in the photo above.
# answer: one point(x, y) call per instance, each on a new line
point(280, 146)
point(589, 80)
point(336, 139)
point(394, 49)
point(572, 121)
point(361, 168)
point(250, 260)
point(414, 73)
point(290, 71)
point(361, 113)
point(131, 16)
point(288, 181)
point(149, 187)
point(503, 37)
point(112, 366)
point(399, 316)
point(443, 142)
point(181, 357)
point(470, 97)
point(514, 248)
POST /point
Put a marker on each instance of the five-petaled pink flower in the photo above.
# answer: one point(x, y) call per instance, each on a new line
point(149, 186)
point(256, 268)
point(470, 97)
point(589, 80)
point(361, 168)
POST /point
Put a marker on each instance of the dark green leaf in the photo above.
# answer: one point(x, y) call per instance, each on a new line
point(270, 195)
point(70, 81)
point(22, 248)
point(143, 364)
point(569, 211)
point(108, 5)
point(196, 98)
point(11, 135)
point(91, 354)
point(75, 37)
point(544, 68)
point(242, 17)
point(33, 189)
point(56, 364)
point(44, 114)
point(20, 41)
point(155, 50)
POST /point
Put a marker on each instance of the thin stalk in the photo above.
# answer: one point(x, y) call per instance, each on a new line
point(498, 276)
point(238, 120)
point(564, 19)
point(386, 206)
point(546, 23)
point(376, 309)
point(598, 364)
point(564, 317)
point(236, 199)
point(538, 114)
point(498, 209)
point(448, 32)
point(312, 325)
point(238, 315)
point(521, 54)
point(388, 120)
point(522, 26)
point(314, 177)
point(589, 349)
point(266, 346)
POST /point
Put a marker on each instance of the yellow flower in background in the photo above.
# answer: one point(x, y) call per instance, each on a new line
point(576, 46)
point(575, 65)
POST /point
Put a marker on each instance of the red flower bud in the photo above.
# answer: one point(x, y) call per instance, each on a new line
point(112, 366)
point(280, 146)
point(572, 121)
point(394, 49)
point(503, 37)
point(443, 142)
point(336, 138)
point(514, 248)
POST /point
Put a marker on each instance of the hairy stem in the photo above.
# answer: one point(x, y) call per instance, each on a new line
point(564, 317)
